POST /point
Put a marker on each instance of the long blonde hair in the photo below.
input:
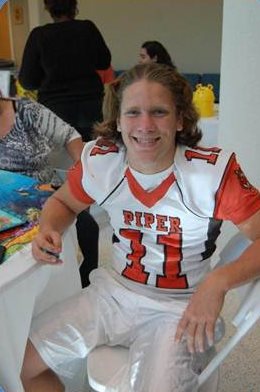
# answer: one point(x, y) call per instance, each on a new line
point(166, 76)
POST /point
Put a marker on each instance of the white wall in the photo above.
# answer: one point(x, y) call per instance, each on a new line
point(240, 85)
point(34, 15)
point(189, 29)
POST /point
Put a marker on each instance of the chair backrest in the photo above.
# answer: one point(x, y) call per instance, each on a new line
point(60, 162)
point(249, 309)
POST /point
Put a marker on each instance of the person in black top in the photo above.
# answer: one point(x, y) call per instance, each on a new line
point(60, 61)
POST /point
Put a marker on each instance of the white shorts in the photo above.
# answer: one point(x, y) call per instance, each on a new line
point(108, 313)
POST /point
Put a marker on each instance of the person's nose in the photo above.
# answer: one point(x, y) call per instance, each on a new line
point(146, 123)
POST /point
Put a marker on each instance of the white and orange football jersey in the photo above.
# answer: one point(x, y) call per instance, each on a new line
point(165, 224)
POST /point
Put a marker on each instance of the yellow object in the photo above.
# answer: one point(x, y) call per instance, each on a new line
point(203, 99)
point(21, 92)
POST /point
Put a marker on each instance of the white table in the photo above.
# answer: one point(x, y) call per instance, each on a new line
point(209, 127)
point(27, 288)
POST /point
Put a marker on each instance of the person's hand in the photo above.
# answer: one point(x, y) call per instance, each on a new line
point(46, 247)
point(199, 319)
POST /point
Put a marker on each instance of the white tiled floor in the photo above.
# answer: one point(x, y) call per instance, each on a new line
point(241, 370)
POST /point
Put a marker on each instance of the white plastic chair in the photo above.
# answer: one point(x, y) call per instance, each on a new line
point(104, 362)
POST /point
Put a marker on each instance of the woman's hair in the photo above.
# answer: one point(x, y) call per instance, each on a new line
point(155, 48)
point(166, 76)
point(58, 8)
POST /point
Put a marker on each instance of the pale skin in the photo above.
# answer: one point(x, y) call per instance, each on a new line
point(145, 58)
point(148, 122)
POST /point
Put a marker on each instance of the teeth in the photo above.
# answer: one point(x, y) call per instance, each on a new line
point(145, 140)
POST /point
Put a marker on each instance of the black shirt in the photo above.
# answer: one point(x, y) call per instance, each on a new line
point(60, 61)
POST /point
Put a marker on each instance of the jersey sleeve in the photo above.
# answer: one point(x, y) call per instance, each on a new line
point(236, 199)
point(74, 178)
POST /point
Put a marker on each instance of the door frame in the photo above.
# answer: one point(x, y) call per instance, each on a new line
point(9, 33)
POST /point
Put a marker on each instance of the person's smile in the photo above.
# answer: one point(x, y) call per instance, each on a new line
point(146, 141)
point(148, 123)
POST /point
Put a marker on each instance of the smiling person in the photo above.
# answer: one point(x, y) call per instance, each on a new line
point(166, 198)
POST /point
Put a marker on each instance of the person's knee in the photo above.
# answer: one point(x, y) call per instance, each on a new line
point(33, 365)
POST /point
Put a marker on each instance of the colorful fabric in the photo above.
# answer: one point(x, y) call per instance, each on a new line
point(22, 199)
point(18, 237)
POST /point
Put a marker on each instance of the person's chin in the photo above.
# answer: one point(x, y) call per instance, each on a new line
point(146, 157)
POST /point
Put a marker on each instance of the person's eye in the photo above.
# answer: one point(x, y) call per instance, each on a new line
point(159, 112)
point(132, 113)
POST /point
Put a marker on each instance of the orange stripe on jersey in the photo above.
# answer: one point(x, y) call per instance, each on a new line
point(236, 198)
point(74, 177)
point(149, 199)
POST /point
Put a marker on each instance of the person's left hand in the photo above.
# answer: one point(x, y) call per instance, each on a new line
point(199, 319)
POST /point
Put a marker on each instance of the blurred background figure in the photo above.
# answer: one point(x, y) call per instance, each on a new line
point(154, 51)
point(29, 132)
point(60, 60)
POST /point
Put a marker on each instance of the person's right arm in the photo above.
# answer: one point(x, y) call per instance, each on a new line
point(57, 215)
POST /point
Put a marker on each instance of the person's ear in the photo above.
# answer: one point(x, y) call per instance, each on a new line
point(179, 127)
point(118, 127)
point(154, 59)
